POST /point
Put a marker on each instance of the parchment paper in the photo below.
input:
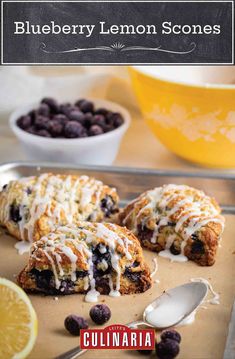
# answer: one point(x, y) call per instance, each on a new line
point(204, 339)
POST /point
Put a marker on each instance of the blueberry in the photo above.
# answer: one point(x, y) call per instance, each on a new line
point(65, 108)
point(88, 119)
point(171, 334)
point(132, 276)
point(167, 349)
point(74, 129)
point(109, 117)
point(44, 279)
point(99, 120)
point(43, 109)
point(108, 206)
point(28, 191)
point(81, 274)
point(66, 287)
point(100, 313)
point(115, 119)
point(144, 233)
point(52, 103)
point(98, 256)
point(15, 213)
point(77, 115)
point(85, 106)
point(101, 111)
point(79, 102)
point(41, 122)
point(31, 129)
point(74, 324)
point(197, 247)
point(102, 285)
point(95, 130)
point(194, 236)
point(24, 122)
point(108, 128)
point(55, 128)
point(174, 250)
point(33, 114)
point(62, 119)
point(43, 133)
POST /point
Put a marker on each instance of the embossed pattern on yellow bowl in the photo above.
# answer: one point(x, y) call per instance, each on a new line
point(195, 122)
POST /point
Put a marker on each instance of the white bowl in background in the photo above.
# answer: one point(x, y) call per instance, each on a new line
point(95, 150)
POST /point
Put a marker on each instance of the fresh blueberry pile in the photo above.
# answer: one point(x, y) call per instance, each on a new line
point(67, 120)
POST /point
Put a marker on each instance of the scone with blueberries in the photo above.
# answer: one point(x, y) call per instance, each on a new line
point(176, 218)
point(31, 207)
point(91, 258)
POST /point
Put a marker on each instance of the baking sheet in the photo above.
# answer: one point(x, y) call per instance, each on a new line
point(206, 337)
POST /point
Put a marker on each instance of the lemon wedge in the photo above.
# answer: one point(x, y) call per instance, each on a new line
point(18, 322)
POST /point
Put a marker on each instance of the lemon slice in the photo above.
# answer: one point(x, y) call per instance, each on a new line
point(18, 322)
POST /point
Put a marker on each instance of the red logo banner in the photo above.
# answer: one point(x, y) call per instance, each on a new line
point(117, 337)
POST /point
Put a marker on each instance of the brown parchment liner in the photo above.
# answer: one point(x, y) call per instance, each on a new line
point(205, 339)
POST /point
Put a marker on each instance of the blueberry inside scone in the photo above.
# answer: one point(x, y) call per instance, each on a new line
point(89, 258)
point(177, 218)
point(30, 207)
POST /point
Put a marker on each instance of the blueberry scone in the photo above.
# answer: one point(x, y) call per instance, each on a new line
point(176, 220)
point(89, 258)
point(30, 207)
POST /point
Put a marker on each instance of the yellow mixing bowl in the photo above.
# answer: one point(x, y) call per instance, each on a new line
point(196, 122)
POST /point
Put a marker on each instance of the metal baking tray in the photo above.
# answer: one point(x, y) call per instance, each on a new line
point(130, 182)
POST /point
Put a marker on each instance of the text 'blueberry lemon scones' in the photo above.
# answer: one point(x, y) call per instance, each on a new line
point(180, 222)
point(30, 207)
point(90, 258)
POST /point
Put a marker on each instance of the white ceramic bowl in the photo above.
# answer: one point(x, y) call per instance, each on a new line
point(96, 150)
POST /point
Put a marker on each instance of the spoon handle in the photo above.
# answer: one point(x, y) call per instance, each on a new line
point(72, 353)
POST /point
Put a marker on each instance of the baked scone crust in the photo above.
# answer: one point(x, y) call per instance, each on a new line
point(88, 257)
point(30, 207)
point(179, 218)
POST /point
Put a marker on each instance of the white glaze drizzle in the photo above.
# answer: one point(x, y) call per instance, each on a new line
point(155, 269)
point(199, 212)
point(22, 247)
point(216, 297)
point(166, 253)
point(57, 244)
point(54, 196)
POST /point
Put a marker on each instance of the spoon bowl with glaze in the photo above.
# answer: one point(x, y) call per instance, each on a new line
point(175, 306)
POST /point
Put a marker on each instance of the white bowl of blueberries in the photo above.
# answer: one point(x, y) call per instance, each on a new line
point(84, 132)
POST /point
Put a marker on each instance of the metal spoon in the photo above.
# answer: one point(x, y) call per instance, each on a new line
point(168, 310)
point(173, 306)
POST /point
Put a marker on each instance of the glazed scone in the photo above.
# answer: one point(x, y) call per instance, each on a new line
point(30, 207)
point(87, 258)
point(178, 220)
